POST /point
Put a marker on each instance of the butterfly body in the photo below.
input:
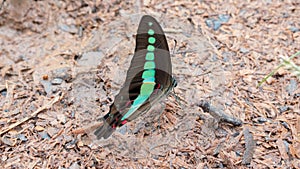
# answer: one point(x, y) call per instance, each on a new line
point(148, 79)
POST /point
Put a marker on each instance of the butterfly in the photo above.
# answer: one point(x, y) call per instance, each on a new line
point(148, 79)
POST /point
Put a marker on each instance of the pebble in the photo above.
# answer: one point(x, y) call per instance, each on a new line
point(56, 81)
point(44, 135)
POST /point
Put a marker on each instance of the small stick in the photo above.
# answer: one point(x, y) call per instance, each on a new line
point(219, 114)
point(250, 147)
point(58, 97)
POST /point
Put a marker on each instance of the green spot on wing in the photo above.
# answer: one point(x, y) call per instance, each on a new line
point(151, 40)
point(150, 56)
point(149, 65)
point(150, 48)
point(150, 32)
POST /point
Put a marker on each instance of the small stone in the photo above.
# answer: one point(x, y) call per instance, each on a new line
point(224, 18)
point(262, 120)
point(74, 166)
point(22, 137)
point(44, 135)
point(294, 29)
point(56, 81)
point(4, 158)
point(283, 109)
point(47, 86)
point(292, 86)
point(7, 141)
point(90, 59)
point(123, 130)
point(270, 80)
point(4, 92)
point(68, 138)
point(244, 50)
point(15, 112)
point(52, 131)
point(54, 122)
point(214, 23)
point(63, 73)
point(61, 118)
point(71, 29)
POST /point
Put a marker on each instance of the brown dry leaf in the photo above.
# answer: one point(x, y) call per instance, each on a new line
point(296, 163)
point(268, 110)
point(39, 128)
point(282, 149)
point(52, 131)
point(12, 161)
point(8, 141)
point(171, 118)
point(180, 163)
point(295, 149)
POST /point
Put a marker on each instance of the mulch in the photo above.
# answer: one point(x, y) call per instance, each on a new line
point(62, 63)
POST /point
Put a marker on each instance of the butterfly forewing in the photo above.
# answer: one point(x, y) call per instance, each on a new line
point(149, 76)
point(152, 48)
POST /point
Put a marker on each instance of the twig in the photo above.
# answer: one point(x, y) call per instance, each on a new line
point(218, 114)
point(48, 105)
point(250, 147)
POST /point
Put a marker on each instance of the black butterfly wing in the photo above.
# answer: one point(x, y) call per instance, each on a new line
point(149, 77)
point(148, 28)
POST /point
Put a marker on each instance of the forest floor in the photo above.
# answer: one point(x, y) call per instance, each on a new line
point(62, 63)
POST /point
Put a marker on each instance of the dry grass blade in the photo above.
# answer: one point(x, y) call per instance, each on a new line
point(276, 69)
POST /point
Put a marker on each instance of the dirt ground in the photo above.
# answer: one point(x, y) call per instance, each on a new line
point(62, 63)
